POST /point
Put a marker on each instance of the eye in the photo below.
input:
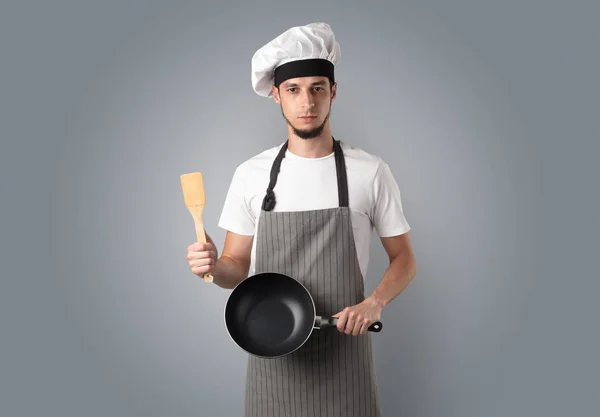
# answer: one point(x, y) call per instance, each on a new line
point(292, 88)
point(319, 88)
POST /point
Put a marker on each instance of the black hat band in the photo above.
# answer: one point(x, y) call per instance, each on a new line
point(304, 68)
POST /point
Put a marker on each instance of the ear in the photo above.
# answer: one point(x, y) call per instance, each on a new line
point(275, 92)
point(333, 91)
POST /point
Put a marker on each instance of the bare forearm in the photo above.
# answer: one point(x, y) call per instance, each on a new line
point(395, 279)
point(228, 273)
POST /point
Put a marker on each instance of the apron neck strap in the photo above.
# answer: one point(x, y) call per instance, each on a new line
point(340, 167)
point(342, 179)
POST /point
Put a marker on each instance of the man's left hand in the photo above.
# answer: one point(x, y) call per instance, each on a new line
point(355, 320)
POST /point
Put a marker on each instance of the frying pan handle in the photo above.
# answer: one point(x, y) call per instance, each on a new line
point(332, 322)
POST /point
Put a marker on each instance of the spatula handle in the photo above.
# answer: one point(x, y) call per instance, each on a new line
point(192, 185)
point(196, 212)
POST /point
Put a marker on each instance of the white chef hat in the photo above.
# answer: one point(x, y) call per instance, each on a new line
point(302, 51)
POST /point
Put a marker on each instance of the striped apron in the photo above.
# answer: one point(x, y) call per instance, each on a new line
point(332, 374)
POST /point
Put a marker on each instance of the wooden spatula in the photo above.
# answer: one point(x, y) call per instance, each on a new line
point(192, 185)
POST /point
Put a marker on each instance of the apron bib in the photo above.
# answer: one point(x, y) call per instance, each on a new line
point(332, 374)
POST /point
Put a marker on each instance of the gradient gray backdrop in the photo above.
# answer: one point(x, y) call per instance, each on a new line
point(487, 113)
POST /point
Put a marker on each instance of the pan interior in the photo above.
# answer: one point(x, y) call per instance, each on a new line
point(269, 315)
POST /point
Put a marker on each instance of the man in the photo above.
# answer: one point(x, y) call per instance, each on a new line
point(314, 222)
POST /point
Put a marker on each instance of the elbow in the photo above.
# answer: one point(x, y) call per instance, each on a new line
point(412, 266)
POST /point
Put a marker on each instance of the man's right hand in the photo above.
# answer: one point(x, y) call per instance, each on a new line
point(233, 265)
point(202, 257)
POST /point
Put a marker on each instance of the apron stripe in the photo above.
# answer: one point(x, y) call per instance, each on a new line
point(253, 400)
point(326, 234)
point(264, 409)
point(280, 267)
point(277, 387)
point(284, 388)
point(248, 399)
point(340, 369)
point(288, 271)
point(346, 296)
point(297, 380)
point(247, 392)
point(262, 405)
point(313, 280)
point(354, 342)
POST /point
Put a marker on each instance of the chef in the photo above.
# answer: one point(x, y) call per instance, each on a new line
point(307, 208)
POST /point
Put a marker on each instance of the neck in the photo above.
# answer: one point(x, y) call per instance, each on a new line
point(316, 147)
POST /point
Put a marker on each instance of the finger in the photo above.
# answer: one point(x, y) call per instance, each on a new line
point(206, 246)
point(206, 262)
point(202, 262)
point(357, 326)
point(197, 246)
point(204, 254)
point(198, 270)
point(350, 324)
point(201, 255)
point(364, 328)
point(202, 247)
point(342, 318)
point(194, 247)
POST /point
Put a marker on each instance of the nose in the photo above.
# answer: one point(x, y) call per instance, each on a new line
point(307, 99)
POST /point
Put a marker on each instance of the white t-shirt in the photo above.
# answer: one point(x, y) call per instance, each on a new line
point(311, 184)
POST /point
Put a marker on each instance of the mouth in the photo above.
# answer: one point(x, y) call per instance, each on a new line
point(308, 118)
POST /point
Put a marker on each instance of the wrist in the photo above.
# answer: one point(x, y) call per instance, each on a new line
point(376, 302)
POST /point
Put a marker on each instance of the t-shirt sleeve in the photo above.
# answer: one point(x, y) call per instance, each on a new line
point(387, 212)
point(237, 216)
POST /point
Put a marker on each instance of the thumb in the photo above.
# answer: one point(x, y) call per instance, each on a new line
point(337, 314)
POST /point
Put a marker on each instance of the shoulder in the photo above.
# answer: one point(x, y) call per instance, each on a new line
point(359, 154)
point(258, 163)
point(362, 161)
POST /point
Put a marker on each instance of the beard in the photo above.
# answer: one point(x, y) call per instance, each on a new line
point(308, 133)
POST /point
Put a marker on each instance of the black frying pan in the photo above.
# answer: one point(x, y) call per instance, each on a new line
point(271, 315)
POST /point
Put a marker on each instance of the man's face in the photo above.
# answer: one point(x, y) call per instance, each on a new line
point(305, 104)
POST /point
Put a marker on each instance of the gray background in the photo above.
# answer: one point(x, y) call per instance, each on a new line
point(487, 113)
